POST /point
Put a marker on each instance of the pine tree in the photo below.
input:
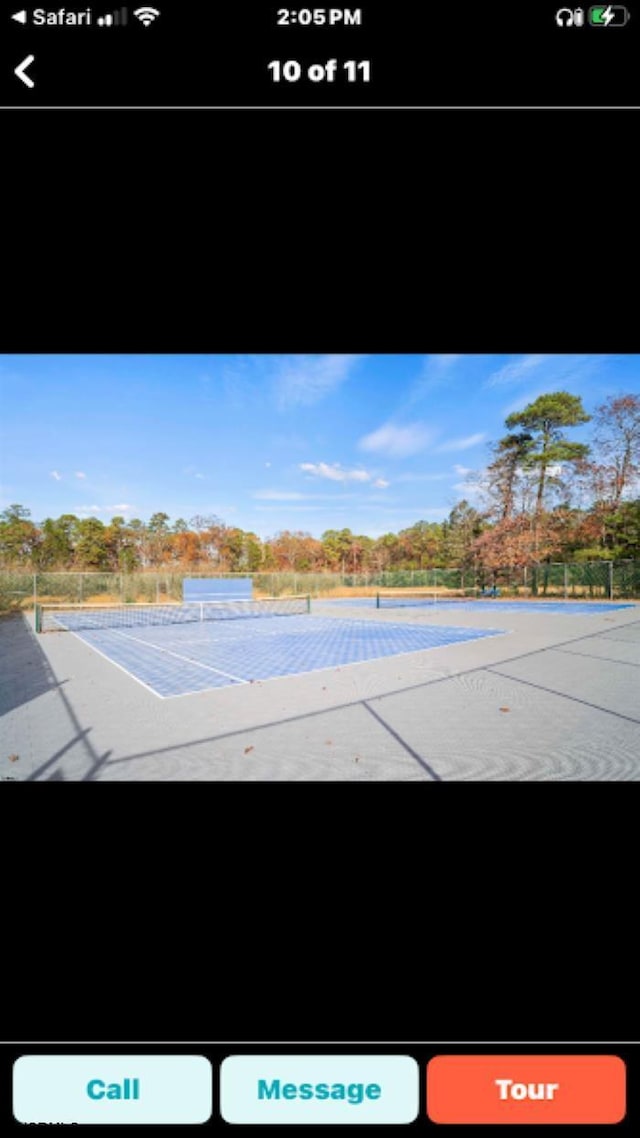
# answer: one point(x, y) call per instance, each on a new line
point(545, 420)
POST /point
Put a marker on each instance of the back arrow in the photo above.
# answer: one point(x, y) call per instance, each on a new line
point(21, 69)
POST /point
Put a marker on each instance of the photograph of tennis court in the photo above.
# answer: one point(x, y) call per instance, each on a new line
point(383, 688)
point(320, 569)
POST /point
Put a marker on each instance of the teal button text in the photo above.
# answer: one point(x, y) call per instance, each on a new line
point(128, 1088)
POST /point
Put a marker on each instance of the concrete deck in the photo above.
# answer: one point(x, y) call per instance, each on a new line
point(557, 698)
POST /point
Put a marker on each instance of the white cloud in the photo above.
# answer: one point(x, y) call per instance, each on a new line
point(462, 470)
point(335, 473)
point(550, 373)
point(296, 496)
point(305, 380)
point(332, 509)
point(278, 495)
point(516, 371)
point(436, 373)
point(120, 508)
point(381, 483)
point(58, 477)
point(444, 362)
point(462, 444)
point(80, 474)
point(397, 442)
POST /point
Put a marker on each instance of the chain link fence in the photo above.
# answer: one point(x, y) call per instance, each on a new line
point(573, 580)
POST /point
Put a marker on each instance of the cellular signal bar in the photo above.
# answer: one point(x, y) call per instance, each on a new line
point(119, 18)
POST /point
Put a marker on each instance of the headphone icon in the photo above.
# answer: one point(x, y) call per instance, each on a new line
point(565, 18)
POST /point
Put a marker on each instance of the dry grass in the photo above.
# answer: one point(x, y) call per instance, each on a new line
point(345, 591)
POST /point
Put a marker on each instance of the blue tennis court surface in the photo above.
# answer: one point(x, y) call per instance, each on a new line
point(567, 608)
point(178, 659)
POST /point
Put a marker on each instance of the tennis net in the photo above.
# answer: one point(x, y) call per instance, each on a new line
point(411, 599)
point(75, 618)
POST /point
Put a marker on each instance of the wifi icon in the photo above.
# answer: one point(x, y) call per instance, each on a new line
point(146, 15)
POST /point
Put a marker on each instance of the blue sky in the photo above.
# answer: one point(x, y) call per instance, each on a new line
point(373, 443)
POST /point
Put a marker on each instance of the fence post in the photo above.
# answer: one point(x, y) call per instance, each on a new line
point(35, 590)
point(566, 574)
point(524, 580)
point(81, 588)
point(611, 580)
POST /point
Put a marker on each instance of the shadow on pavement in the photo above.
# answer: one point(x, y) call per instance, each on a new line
point(25, 673)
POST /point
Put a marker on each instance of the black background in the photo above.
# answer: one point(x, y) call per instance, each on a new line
point(322, 912)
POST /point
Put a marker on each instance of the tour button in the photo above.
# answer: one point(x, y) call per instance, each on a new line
point(112, 1089)
point(512, 1089)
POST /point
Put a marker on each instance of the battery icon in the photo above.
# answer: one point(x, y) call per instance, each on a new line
point(608, 16)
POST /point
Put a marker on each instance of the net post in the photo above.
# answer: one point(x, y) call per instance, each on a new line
point(377, 600)
point(308, 600)
point(38, 620)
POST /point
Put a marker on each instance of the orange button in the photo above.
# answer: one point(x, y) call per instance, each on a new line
point(526, 1088)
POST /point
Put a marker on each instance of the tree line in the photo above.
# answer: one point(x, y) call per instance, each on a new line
point(541, 497)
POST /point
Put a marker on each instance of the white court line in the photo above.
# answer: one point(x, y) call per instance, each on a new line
point(132, 675)
point(178, 656)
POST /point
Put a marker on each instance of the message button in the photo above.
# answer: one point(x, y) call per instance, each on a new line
point(319, 1089)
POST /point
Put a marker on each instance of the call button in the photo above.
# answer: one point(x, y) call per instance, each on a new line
point(112, 1089)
